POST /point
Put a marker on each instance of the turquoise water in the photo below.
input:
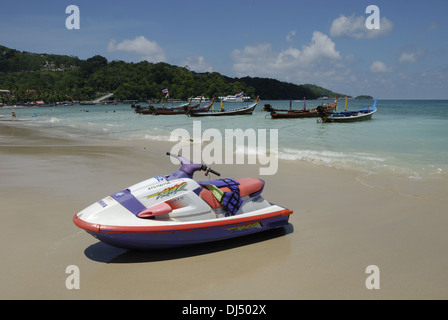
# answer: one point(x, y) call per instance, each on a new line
point(405, 137)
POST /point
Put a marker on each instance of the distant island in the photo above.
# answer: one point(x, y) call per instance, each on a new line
point(26, 76)
point(364, 97)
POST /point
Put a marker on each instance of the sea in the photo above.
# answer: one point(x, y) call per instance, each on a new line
point(407, 138)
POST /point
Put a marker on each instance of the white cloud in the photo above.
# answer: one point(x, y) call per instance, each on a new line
point(379, 67)
point(315, 62)
point(290, 35)
point(411, 56)
point(355, 27)
point(348, 26)
point(198, 64)
point(251, 58)
point(261, 58)
point(407, 57)
point(144, 48)
point(436, 80)
point(321, 48)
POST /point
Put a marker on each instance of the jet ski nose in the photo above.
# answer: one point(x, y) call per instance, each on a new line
point(80, 223)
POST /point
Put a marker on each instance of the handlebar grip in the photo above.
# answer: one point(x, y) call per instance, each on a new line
point(214, 172)
point(203, 167)
point(172, 155)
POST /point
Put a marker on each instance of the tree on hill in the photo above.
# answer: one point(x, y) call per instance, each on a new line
point(58, 78)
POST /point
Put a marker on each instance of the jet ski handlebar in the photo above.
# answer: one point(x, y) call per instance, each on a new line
point(190, 167)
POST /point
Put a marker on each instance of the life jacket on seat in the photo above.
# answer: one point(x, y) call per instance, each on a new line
point(228, 192)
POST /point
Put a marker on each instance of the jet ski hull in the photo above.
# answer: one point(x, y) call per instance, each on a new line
point(161, 235)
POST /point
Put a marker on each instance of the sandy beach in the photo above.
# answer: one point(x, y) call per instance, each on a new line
point(343, 222)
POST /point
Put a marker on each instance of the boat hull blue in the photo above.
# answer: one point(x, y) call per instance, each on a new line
point(196, 234)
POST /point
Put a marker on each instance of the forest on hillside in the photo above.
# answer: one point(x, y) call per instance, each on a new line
point(49, 77)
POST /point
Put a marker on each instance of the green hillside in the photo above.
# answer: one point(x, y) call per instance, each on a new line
point(49, 77)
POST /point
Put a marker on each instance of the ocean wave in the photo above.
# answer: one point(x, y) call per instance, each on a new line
point(329, 157)
point(254, 151)
point(51, 120)
point(156, 137)
point(364, 162)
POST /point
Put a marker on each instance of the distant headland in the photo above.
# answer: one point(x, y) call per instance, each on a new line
point(51, 78)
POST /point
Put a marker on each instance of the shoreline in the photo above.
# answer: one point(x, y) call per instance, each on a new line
point(417, 156)
point(343, 221)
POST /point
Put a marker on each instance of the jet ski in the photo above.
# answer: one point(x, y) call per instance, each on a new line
point(175, 210)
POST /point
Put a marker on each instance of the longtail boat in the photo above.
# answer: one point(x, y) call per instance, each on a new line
point(246, 110)
point(182, 109)
point(348, 116)
point(303, 113)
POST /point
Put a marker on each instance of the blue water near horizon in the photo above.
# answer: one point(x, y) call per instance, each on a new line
point(405, 137)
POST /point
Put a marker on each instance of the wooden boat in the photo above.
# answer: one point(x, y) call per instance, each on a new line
point(267, 107)
point(200, 109)
point(348, 116)
point(182, 109)
point(141, 110)
point(247, 110)
point(151, 109)
point(304, 113)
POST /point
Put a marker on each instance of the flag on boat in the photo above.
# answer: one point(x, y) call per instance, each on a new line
point(166, 91)
point(239, 95)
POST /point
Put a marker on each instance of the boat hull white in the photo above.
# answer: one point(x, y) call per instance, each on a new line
point(170, 235)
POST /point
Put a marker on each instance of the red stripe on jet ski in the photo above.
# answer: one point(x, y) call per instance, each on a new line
point(178, 227)
point(86, 225)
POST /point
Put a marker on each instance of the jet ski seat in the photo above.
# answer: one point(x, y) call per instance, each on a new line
point(246, 186)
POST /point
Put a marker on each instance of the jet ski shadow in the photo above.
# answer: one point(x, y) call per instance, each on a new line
point(101, 252)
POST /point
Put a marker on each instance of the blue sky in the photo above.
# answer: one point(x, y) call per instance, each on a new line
point(319, 42)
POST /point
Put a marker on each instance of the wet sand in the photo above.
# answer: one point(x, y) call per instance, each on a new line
point(343, 222)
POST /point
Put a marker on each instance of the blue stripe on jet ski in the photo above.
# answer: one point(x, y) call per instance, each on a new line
point(127, 200)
